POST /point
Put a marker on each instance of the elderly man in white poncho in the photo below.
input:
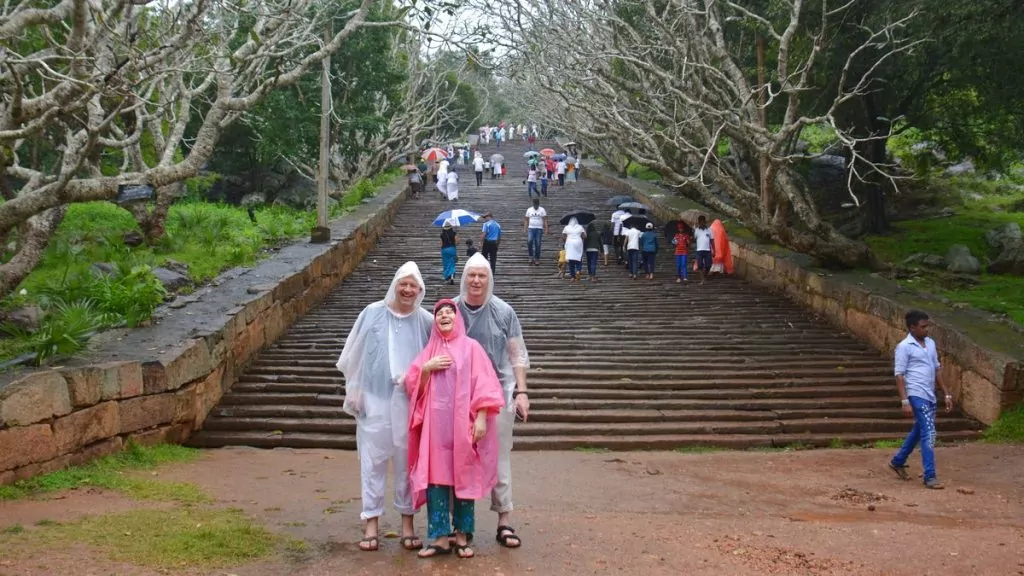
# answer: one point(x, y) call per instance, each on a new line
point(383, 342)
point(494, 324)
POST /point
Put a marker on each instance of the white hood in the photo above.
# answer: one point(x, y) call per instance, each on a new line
point(408, 269)
point(477, 261)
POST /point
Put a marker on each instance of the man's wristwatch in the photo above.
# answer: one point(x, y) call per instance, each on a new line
point(518, 392)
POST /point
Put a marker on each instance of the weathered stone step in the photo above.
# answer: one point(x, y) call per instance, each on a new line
point(726, 441)
point(621, 364)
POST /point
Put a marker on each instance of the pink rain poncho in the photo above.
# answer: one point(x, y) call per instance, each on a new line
point(441, 415)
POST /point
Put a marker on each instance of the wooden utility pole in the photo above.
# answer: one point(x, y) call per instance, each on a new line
point(322, 232)
point(766, 201)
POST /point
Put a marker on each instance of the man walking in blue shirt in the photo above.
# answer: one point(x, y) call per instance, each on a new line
point(917, 373)
point(490, 239)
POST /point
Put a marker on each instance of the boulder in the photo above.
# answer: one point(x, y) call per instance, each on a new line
point(170, 279)
point(175, 266)
point(26, 317)
point(254, 199)
point(961, 260)
point(102, 268)
point(965, 167)
point(133, 238)
point(923, 259)
point(1008, 247)
point(1003, 237)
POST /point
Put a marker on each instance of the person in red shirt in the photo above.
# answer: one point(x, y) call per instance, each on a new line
point(681, 241)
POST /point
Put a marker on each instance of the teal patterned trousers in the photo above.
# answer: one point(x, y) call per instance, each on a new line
point(442, 512)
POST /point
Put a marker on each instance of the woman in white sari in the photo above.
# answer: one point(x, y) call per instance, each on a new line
point(453, 186)
point(574, 234)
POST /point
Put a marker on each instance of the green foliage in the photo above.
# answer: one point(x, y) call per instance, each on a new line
point(113, 473)
point(1003, 294)
point(1008, 429)
point(819, 137)
point(642, 173)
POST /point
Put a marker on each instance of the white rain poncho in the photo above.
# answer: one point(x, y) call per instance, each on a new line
point(574, 240)
point(496, 327)
point(378, 351)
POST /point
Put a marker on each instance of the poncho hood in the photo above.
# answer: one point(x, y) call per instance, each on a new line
point(477, 261)
point(406, 270)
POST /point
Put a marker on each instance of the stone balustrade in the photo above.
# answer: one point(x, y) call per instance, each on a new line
point(158, 383)
point(984, 380)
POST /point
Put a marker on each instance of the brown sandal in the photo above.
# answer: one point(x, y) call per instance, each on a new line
point(372, 544)
point(411, 542)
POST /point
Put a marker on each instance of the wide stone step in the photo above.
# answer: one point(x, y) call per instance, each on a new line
point(621, 365)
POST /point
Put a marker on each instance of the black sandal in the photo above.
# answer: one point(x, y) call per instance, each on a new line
point(434, 550)
point(460, 552)
point(900, 471)
point(371, 540)
point(410, 542)
point(504, 538)
point(451, 538)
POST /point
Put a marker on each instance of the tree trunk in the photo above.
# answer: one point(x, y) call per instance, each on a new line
point(153, 222)
point(875, 219)
point(33, 238)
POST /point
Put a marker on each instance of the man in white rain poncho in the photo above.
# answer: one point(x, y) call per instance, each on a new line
point(494, 324)
point(384, 340)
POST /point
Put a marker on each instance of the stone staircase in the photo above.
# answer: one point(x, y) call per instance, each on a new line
point(623, 365)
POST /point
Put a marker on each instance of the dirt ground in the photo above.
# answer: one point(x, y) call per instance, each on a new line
point(732, 513)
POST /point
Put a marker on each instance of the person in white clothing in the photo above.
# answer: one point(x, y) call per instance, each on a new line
point(573, 234)
point(442, 179)
point(536, 221)
point(383, 342)
point(560, 172)
point(705, 246)
point(478, 168)
point(620, 247)
point(631, 237)
point(495, 170)
point(453, 186)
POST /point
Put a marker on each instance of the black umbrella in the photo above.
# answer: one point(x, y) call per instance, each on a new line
point(635, 222)
point(581, 216)
point(616, 200)
point(675, 226)
point(632, 206)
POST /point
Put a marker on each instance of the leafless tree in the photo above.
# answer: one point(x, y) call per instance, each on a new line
point(669, 85)
point(112, 86)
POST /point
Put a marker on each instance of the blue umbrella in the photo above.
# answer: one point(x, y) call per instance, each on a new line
point(558, 157)
point(463, 217)
point(531, 153)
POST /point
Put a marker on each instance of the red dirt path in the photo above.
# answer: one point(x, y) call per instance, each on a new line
point(735, 513)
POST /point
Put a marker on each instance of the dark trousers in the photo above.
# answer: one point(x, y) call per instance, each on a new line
point(649, 262)
point(634, 261)
point(561, 179)
point(479, 178)
point(490, 251)
point(592, 263)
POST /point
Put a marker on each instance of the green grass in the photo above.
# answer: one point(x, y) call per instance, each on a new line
point(1002, 294)
point(209, 238)
point(590, 450)
point(698, 449)
point(114, 473)
point(172, 540)
point(1008, 429)
point(642, 173)
point(888, 444)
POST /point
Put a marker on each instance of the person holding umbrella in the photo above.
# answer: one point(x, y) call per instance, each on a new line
point(478, 168)
point(631, 239)
point(449, 251)
point(573, 235)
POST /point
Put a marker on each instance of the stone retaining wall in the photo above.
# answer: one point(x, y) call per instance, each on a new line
point(50, 419)
point(984, 381)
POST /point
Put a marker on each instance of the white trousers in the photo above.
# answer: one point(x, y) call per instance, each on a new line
point(501, 495)
point(374, 480)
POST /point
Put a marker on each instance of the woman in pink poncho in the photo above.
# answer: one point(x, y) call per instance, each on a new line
point(454, 395)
